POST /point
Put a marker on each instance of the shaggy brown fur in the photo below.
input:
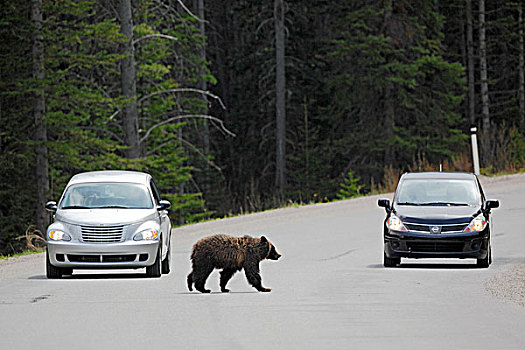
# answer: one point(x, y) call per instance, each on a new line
point(231, 254)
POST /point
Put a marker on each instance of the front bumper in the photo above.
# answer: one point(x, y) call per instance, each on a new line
point(129, 254)
point(413, 245)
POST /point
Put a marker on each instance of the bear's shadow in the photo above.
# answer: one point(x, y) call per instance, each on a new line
point(217, 293)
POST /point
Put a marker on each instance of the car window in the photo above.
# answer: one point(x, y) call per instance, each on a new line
point(437, 192)
point(155, 190)
point(106, 195)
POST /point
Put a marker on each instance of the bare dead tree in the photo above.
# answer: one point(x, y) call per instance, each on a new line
point(470, 64)
point(130, 118)
point(483, 67)
point(39, 106)
point(521, 69)
point(280, 103)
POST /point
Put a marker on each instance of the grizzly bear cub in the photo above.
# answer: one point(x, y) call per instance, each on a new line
point(231, 254)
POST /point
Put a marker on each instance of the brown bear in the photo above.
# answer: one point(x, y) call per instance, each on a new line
point(231, 254)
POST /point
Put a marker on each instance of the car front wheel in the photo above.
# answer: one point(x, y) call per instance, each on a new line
point(166, 263)
point(155, 269)
point(390, 262)
point(484, 263)
point(52, 271)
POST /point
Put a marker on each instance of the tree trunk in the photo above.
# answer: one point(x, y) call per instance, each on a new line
point(39, 105)
point(521, 69)
point(483, 68)
point(130, 118)
point(202, 83)
point(388, 94)
point(280, 85)
point(470, 66)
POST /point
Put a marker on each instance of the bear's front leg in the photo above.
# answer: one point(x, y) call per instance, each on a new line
point(226, 274)
point(251, 270)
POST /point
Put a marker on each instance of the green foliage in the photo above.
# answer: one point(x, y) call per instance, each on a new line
point(370, 86)
point(16, 153)
point(82, 53)
point(389, 80)
point(350, 187)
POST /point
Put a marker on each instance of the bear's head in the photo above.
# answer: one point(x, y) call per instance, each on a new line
point(272, 252)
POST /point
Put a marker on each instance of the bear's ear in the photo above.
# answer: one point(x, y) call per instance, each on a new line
point(263, 239)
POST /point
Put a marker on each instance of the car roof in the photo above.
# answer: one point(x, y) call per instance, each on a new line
point(439, 175)
point(111, 176)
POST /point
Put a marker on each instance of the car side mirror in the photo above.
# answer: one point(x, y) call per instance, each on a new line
point(491, 204)
point(51, 206)
point(164, 205)
point(385, 203)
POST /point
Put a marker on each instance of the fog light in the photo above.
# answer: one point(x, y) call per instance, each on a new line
point(395, 245)
point(476, 245)
point(60, 257)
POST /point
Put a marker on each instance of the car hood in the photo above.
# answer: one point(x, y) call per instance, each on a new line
point(436, 214)
point(104, 216)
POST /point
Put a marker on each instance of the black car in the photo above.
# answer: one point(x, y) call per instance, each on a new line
point(437, 215)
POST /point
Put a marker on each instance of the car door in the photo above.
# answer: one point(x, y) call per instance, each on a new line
point(165, 224)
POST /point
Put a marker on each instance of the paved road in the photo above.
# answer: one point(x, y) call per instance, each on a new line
point(330, 291)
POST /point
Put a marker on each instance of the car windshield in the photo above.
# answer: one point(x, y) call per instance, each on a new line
point(107, 195)
point(437, 192)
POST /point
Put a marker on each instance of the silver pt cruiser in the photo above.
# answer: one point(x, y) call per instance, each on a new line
point(109, 219)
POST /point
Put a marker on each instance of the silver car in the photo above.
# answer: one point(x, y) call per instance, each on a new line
point(109, 219)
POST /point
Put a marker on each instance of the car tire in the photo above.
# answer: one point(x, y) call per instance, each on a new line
point(166, 263)
point(484, 263)
point(390, 262)
point(52, 272)
point(155, 269)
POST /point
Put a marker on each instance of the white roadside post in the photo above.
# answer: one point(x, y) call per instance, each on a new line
point(475, 155)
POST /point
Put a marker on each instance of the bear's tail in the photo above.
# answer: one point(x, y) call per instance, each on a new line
point(190, 281)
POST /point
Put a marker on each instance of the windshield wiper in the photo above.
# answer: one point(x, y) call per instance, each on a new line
point(113, 206)
point(76, 207)
point(408, 203)
point(445, 204)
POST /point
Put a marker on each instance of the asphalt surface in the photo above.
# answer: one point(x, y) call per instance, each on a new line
point(329, 291)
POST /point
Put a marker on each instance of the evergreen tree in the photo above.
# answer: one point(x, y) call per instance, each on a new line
point(389, 79)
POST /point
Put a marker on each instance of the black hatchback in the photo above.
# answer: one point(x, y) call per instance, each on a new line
point(437, 215)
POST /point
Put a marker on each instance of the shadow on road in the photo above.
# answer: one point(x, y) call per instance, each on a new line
point(97, 276)
point(428, 266)
point(214, 293)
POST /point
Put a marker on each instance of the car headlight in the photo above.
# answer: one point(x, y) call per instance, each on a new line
point(395, 224)
point(57, 235)
point(478, 224)
point(148, 235)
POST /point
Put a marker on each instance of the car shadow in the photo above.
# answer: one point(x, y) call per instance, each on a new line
point(96, 276)
point(428, 266)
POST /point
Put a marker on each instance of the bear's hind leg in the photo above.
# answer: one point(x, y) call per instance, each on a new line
point(190, 281)
point(226, 274)
point(200, 275)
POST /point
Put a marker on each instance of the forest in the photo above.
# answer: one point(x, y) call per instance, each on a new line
point(238, 106)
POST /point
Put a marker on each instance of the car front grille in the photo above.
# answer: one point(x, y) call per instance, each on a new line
point(453, 228)
point(435, 247)
point(85, 258)
point(102, 234)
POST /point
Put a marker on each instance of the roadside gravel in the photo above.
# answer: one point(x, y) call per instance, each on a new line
point(509, 285)
point(14, 266)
